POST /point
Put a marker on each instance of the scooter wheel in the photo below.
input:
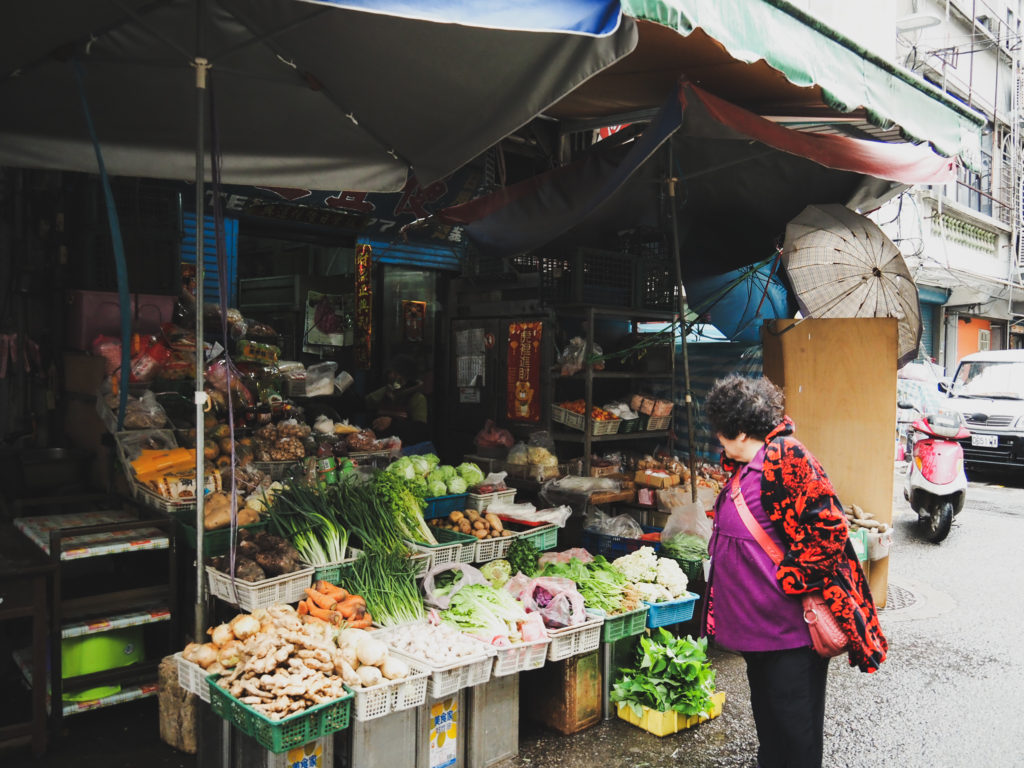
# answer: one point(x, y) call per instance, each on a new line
point(939, 522)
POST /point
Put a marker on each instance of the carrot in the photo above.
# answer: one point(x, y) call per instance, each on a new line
point(347, 608)
point(326, 588)
point(363, 623)
point(303, 608)
point(331, 617)
point(320, 600)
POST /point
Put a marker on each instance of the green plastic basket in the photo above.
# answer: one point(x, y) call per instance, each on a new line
point(543, 537)
point(214, 542)
point(624, 625)
point(629, 425)
point(332, 571)
point(281, 735)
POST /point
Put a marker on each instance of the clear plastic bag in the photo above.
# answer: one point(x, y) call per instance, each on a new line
point(470, 575)
point(685, 515)
point(519, 454)
point(618, 525)
point(555, 598)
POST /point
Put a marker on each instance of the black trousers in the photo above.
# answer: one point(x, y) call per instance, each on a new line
point(787, 694)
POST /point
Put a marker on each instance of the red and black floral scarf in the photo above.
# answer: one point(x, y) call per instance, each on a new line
point(799, 499)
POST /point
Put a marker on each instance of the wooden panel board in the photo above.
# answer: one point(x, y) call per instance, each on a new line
point(839, 376)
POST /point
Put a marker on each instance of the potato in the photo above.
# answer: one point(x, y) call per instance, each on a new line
point(480, 534)
point(210, 450)
point(456, 516)
point(479, 525)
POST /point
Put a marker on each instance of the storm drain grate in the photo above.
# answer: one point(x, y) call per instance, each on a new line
point(897, 597)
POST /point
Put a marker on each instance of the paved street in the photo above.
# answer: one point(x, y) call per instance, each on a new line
point(951, 694)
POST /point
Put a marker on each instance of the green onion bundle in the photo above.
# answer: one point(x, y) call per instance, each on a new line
point(307, 519)
point(387, 581)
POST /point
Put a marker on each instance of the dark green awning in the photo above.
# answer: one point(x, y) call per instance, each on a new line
point(809, 54)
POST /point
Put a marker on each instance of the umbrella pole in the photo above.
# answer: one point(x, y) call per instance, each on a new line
point(677, 263)
point(201, 66)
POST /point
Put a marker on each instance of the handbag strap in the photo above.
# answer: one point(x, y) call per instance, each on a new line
point(760, 535)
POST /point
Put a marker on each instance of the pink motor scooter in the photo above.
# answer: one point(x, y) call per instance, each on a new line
point(936, 485)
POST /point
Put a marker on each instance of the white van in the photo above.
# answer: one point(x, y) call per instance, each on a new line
point(988, 391)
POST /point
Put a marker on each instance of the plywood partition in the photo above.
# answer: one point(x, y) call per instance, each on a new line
point(839, 377)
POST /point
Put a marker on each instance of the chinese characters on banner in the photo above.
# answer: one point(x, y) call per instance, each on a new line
point(524, 371)
point(364, 306)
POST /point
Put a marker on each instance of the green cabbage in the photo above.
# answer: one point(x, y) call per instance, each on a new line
point(497, 572)
point(431, 459)
point(471, 473)
point(403, 467)
point(457, 485)
point(421, 465)
point(436, 488)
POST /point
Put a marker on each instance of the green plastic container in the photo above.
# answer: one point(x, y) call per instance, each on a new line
point(624, 625)
point(98, 653)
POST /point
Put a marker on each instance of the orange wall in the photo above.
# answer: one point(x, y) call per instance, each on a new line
point(967, 335)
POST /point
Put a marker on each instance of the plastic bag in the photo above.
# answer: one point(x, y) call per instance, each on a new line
point(576, 553)
point(879, 542)
point(618, 525)
point(470, 575)
point(109, 349)
point(541, 449)
point(555, 598)
point(685, 515)
point(572, 359)
point(144, 412)
point(519, 454)
point(491, 436)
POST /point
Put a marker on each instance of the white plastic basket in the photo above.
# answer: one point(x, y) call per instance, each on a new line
point(520, 657)
point(392, 695)
point(289, 588)
point(460, 551)
point(448, 679)
point(577, 640)
point(492, 549)
point(192, 677)
point(480, 501)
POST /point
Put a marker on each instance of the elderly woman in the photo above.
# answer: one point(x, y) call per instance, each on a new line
point(754, 607)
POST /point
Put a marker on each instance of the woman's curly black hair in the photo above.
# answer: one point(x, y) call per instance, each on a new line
point(738, 404)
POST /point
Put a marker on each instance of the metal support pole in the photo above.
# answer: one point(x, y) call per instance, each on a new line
point(677, 263)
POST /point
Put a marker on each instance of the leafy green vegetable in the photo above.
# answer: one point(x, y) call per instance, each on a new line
point(306, 517)
point(522, 557)
point(497, 572)
point(387, 581)
point(685, 546)
point(483, 610)
point(457, 485)
point(471, 473)
point(436, 488)
point(601, 585)
point(672, 673)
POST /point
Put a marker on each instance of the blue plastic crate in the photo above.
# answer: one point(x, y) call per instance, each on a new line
point(671, 611)
point(617, 546)
point(442, 506)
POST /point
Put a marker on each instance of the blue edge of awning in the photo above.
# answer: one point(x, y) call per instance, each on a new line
point(412, 254)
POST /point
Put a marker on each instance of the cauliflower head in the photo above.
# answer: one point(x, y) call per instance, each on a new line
point(653, 593)
point(638, 566)
point(671, 577)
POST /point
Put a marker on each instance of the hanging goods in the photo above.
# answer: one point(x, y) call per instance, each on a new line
point(827, 636)
point(841, 264)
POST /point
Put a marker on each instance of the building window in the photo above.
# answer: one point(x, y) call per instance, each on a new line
point(974, 188)
point(984, 340)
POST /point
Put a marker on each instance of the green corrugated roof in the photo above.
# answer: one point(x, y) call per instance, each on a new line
point(808, 52)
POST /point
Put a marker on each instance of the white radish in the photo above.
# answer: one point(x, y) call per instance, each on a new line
point(369, 675)
point(371, 651)
point(394, 668)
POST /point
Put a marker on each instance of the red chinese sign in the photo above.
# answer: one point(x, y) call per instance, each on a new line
point(524, 371)
point(364, 306)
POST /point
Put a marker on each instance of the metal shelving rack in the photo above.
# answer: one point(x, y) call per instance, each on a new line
point(591, 313)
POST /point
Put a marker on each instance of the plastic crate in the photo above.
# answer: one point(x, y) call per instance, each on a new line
point(214, 542)
point(492, 549)
point(578, 421)
point(289, 588)
point(451, 547)
point(332, 571)
point(629, 425)
point(655, 423)
point(694, 569)
point(192, 677)
point(442, 506)
point(617, 546)
point(624, 625)
point(447, 679)
point(671, 611)
point(480, 501)
point(577, 640)
point(665, 723)
point(543, 536)
point(520, 657)
point(281, 735)
point(159, 503)
point(392, 695)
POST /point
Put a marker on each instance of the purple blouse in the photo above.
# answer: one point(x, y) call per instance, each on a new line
point(751, 611)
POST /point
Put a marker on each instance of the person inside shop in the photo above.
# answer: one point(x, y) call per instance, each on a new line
point(753, 606)
point(400, 408)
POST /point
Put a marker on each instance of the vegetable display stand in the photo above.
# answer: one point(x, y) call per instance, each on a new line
point(543, 536)
point(566, 695)
point(491, 723)
point(576, 640)
point(451, 547)
point(442, 506)
point(289, 588)
point(624, 625)
point(617, 546)
point(671, 611)
point(281, 735)
point(665, 723)
point(387, 741)
point(391, 695)
point(578, 421)
point(318, 753)
point(447, 679)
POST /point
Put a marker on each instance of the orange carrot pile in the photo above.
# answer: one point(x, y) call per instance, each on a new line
point(333, 604)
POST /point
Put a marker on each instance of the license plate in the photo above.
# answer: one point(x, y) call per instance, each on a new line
point(985, 441)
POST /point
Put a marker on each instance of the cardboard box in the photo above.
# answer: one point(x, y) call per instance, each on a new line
point(654, 478)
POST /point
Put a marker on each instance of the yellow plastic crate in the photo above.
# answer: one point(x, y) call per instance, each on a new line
point(664, 723)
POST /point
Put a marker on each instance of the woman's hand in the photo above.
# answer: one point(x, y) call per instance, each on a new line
point(381, 423)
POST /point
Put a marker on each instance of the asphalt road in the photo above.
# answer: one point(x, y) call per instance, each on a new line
point(950, 695)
